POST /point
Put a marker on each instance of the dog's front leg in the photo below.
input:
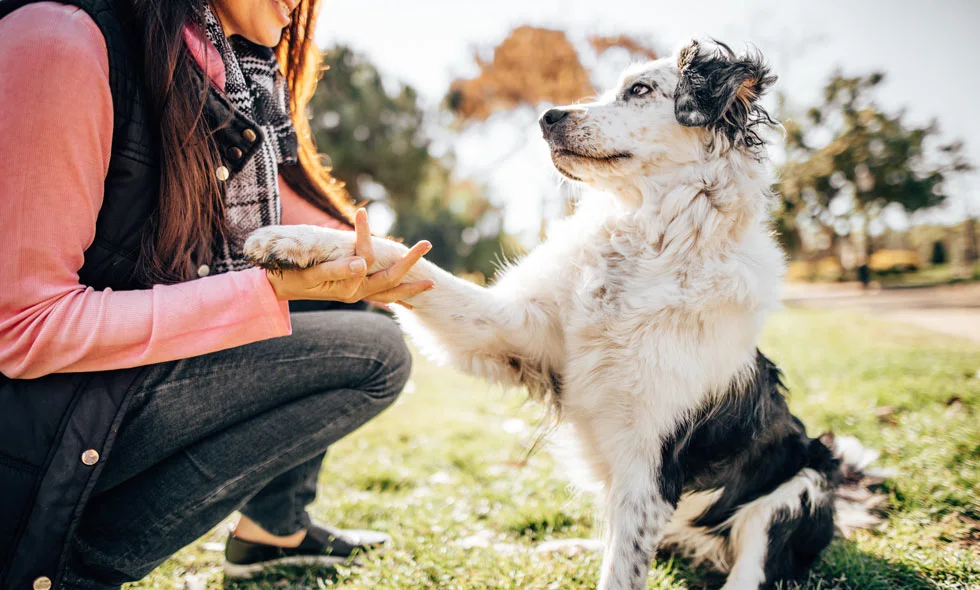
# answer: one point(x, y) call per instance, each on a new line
point(504, 334)
point(636, 516)
point(624, 452)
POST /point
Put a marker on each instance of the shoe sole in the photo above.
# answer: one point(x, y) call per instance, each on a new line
point(236, 571)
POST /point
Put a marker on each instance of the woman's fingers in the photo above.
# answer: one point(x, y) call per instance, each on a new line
point(362, 243)
point(341, 269)
point(346, 279)
point(393, 275)
point(403, 291)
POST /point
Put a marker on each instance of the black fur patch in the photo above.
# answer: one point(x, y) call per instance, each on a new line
point(796, 541)
point(721, 90)
point(543, 386)
point(748, 443)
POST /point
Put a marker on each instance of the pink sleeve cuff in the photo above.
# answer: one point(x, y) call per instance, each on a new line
point(276, 312)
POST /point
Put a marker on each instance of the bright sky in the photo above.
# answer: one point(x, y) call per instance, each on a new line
point(928, 50)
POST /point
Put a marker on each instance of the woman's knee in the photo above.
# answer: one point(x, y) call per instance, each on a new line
point(360, 350)
point(394, 356)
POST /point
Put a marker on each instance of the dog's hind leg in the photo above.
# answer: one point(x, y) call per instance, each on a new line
point(777, 536)
point(749, 546)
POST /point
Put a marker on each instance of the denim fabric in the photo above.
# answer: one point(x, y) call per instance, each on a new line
point(245, 428)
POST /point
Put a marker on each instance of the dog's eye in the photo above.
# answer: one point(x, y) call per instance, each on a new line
point(640, 89)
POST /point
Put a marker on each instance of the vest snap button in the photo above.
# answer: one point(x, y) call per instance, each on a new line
point(235, 153)
point(222, 173)
point(249, 135)
point(203, 270)
point(90, 457)
point(42, 583)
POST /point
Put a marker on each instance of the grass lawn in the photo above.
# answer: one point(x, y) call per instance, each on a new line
point(942, 274)
point(444, 472)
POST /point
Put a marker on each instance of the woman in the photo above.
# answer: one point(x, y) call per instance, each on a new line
point(141, 140)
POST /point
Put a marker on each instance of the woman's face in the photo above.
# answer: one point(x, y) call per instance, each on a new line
point(259, 21)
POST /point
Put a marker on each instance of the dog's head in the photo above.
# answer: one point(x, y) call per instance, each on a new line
point(706, 100)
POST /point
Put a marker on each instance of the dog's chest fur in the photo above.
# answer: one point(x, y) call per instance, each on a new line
point(647, 324)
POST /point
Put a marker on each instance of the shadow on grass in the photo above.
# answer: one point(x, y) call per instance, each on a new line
point(540, 524)
point(287, 578)
point(843, 565)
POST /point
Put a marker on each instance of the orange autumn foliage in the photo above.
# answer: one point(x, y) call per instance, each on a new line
point(531, 66)
point(602, 44)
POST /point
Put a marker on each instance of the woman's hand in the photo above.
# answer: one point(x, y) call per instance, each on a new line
point(346, 279)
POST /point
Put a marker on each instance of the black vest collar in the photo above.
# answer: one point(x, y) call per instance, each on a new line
point(238, 137)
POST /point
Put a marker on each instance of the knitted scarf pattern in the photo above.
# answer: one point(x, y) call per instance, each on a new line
point(255, 86)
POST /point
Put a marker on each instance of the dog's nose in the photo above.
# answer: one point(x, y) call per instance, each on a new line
point(551, 117)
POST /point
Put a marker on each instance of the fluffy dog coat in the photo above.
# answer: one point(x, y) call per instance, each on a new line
point(638, 319)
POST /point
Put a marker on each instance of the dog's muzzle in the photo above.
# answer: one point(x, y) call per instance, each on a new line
point(551, 121)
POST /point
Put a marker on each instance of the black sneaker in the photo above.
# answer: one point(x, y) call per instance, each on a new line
point(322, 546)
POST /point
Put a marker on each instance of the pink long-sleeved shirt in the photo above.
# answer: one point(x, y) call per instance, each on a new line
point(55, 139)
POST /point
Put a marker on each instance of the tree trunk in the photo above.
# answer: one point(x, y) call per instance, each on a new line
point(970, 254)
point(869, 248)
point(864, 270)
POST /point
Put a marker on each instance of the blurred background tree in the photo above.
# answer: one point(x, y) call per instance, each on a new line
point(465, 228)
point(531, 66)
point(374, 135)
point(534, 66)
point(847, 160)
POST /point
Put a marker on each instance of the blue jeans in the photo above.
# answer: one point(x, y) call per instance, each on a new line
point(245, 428)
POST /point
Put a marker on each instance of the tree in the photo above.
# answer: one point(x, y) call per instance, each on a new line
point(970, 254)
point(374, 137)
point(847, 160)
point(465, 229)
point(533, 65)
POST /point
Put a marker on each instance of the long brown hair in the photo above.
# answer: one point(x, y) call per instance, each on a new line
point(190, 218)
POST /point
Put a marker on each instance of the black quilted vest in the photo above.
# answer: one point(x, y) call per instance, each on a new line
point(57, 431)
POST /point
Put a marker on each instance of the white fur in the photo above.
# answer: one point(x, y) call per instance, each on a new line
point(645, 302)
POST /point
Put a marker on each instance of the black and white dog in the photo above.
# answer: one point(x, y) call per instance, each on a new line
point(638, 321)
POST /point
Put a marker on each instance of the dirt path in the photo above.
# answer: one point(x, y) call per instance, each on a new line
point(952, 309)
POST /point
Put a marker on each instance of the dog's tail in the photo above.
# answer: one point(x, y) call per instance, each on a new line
point(856, 501)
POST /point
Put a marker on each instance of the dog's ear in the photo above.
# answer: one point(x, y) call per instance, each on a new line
point(721, 88)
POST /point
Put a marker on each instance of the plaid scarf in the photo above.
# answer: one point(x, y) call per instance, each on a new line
point(255, 86)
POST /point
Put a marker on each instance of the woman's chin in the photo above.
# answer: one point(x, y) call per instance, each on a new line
point(268, 38)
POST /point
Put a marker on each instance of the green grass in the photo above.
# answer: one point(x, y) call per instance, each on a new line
point(441, 467)
point(940, 274)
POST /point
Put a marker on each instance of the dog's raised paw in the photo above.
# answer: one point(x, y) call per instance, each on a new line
point(279, 247)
